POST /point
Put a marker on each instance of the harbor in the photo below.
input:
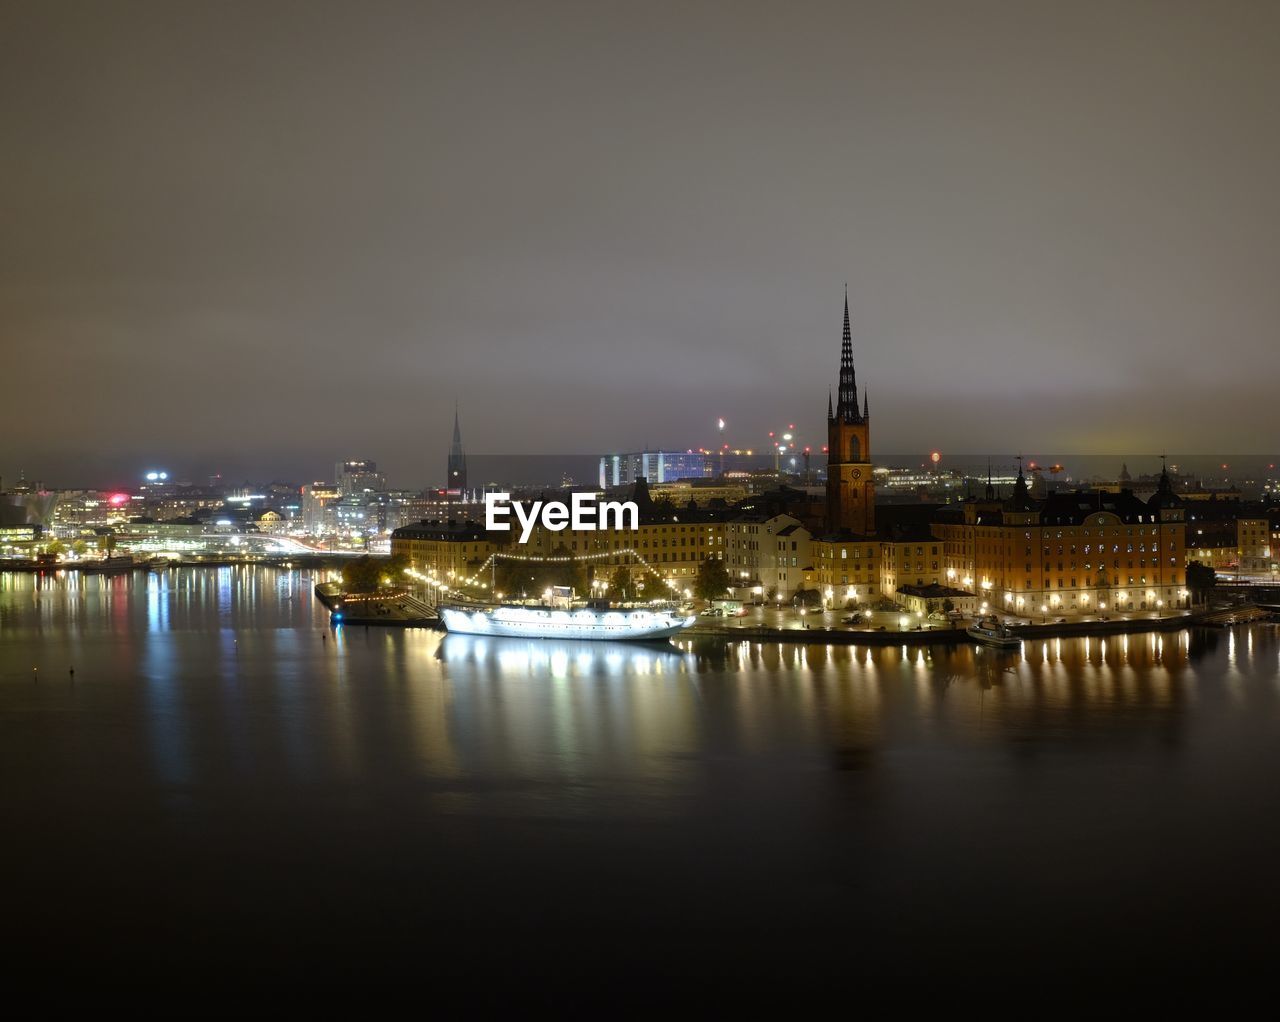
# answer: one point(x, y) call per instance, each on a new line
point(407, 608)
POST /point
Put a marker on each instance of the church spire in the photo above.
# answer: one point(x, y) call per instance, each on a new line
point(847, 395)
point(866, 402)
point(456, 479)
point(830, 415)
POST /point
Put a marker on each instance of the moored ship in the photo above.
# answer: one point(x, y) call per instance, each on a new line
point(991, 632)
point(517, 621)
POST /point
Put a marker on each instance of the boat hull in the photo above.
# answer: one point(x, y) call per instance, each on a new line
point(994, 641)
point(540, 623)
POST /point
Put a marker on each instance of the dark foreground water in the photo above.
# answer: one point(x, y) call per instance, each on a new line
point(220, 797)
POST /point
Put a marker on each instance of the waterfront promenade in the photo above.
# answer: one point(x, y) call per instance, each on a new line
point(895, 628)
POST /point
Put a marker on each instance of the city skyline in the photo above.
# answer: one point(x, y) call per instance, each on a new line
point(334, 214)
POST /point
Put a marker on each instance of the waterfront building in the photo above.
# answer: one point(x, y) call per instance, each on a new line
point(451, 550)
point(847, 569)
point(670, 542)
point(19, 539)
point(851, 495)
point(936, 598)
point(910, 556)
point(768, 556)
point(1253, 541)
point(1078, 552)
point(1213, 535)
point(271, 521)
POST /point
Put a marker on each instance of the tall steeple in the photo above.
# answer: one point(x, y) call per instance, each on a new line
point(847, 395)
point(851, 493)
point(457, 469)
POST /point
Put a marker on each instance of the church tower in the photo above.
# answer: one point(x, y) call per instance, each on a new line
point(456, 479)
point(851, 495)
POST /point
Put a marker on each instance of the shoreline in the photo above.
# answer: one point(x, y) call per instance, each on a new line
point(1210, 618)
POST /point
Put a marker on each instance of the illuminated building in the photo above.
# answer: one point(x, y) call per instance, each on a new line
point(18, 539)
point(700, 491)
point(1213, 536)
point(1253, 540)
point(654, 467)
point(670, 541)
point(910, 555)
point(773, 554)
point(846, 569)
point(450, 550)
point(851, 494)
point(1070, 553)
point(316, 498)
point(358, 477)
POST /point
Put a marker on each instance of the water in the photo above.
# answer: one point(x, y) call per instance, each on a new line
point(219, 795)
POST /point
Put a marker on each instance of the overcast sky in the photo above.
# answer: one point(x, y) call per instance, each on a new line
point(257, 237)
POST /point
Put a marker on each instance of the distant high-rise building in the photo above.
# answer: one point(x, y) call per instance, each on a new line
point(316, 501)
point(358, 477)
point(456, 475)
point(654, 467)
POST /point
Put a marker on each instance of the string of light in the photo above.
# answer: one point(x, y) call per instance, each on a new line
point(526, 558)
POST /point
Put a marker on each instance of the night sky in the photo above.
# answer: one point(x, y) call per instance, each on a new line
point(253, 238)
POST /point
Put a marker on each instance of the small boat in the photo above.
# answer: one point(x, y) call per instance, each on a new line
point(990, 632)
point(516, 621)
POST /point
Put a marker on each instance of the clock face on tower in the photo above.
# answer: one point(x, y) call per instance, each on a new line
point(857, 473)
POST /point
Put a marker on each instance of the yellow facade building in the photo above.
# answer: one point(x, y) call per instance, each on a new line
point(1253, 545)
point(1070, 553)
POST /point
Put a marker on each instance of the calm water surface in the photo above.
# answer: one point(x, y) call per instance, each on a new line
point(228, 792)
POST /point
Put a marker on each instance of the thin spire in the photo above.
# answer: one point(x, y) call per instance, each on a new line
point(830, 414)
point(456, 473)
point(847, 395)
point(866, 402)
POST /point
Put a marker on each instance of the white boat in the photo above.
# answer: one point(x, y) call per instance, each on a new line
point(565, 623)
point(990, 632)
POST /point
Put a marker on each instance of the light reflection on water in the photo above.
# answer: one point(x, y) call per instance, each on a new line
point(220, 745)
point(194, 638)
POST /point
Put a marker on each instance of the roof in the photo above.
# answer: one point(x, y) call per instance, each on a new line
point(452, 531)
point(935, 591)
